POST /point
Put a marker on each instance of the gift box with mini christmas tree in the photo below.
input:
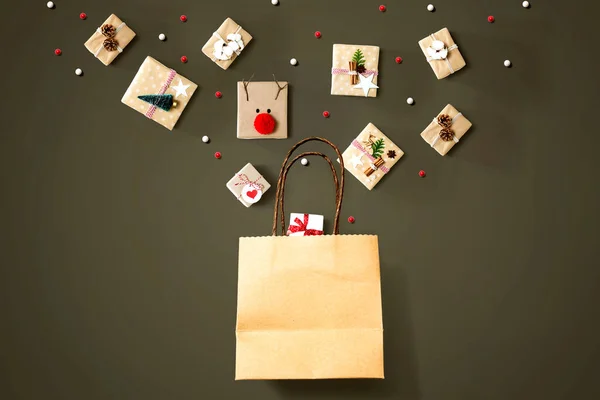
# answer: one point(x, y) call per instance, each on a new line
point(442, 53)
point(160, 93)
point(110, 39)
point(355, 70)
point(446, 129)
point(371, 156)
point(226, 43)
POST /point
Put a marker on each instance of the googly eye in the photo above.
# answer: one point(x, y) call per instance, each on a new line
point(269, 110)
point(257, 110)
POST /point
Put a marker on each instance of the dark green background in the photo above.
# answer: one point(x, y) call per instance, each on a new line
point(119, 239)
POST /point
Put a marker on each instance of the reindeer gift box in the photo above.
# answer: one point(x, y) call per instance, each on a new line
point(262, 110)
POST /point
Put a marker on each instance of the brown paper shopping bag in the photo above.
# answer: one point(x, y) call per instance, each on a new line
point(309, 307)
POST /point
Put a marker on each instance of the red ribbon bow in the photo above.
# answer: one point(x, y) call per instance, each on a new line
point(301, 227)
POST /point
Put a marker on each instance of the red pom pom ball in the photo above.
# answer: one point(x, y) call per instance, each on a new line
point(264, 124)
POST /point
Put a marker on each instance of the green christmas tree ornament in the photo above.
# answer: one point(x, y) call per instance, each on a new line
point(162, 101)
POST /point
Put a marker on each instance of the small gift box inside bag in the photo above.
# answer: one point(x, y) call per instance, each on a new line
point(109, 40)
point(262, 110)
point(160, 93)
point(305, 225)
point(354, 71)
point(227, 43)
point(248, 185)
point(442, 53)
point(446, 129)
point(371, 156)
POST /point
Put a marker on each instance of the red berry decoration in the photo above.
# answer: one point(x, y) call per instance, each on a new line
point(318, 34)
point(183, 59)
point(82, 16)
point(491, 19)
point(422, 174)
point(183, 18)
point(218, 95)
point(382, 8)
point(351, 219)
point(218, 155)
point(398, 60)
point(326, 114)
point(58, 52)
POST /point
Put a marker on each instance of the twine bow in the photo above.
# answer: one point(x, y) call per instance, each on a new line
point(110, 43)
point(301, 227)
point(438, 51)
point(244, 180)
point(224, 49)
point(446, 133)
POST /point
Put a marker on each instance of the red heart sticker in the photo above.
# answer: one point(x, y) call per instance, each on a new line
point(252, 193)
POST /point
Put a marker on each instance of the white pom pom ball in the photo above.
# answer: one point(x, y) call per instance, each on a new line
point(526, 4)
point(507, 63)
point(293, 61)
point(304, 162)
point(430, 8)
point(274, 2)
point(205, 139)
point(410, 101)
point(78, 72)
point(162, 37)
point(50, 4)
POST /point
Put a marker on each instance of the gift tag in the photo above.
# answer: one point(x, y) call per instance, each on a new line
point(251, 193)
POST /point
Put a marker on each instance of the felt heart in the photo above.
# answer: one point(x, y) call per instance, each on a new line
point(252, 193)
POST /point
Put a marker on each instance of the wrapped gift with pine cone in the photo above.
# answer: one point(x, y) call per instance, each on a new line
point(371, 156)
point(110, 39)
point(248, 185)
point(305, 225)
point(442, 53)
point(446, 129)
point(226, 43)
point(160, 93)
point(354, 71)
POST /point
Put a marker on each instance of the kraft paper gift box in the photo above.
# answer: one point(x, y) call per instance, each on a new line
point(227, 43)
point(248, 185)
point(110, 39)
point(166, 85)
point(442, 53)
point(371, 156)
point(446, 129)
point(262, 110)
point(355, 70)
point(305, 225)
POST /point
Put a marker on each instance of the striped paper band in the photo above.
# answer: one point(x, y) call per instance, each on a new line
point(163, 89)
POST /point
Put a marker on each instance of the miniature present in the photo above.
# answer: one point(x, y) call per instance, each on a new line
point(248, 185)
point(160, 93)
point(305, 225)
point(227, 43)
point(446, 129)
point(110, 39)
point(442, 53)
point(355, 70)
point(371, 156)
point(262, 110)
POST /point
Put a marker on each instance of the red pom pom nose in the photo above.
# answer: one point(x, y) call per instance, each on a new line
point(264, 124)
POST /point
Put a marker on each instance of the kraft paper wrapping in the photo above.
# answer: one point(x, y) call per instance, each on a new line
point(440, 67)
point(460, 126)
point(261, 97)
point(309, 308)
point(227, 27)
point(149, 79)
point(123, 37)
point(342, 54)
point(357, 162)
point(249, 175)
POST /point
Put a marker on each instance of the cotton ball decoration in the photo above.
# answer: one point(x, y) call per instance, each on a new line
point(410, 101)
point(50, 5)
point(304, 162)
point(507, 63)
point(78, 72)
point(526, 4)
point(275, 2)
point(162, 37)
point(294, 62)
point(430, 8)
point(205, 139)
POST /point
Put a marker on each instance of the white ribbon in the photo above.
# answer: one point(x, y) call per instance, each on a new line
point(123, 24)
point(448, 49)
point(438, 136)
point(218, 52)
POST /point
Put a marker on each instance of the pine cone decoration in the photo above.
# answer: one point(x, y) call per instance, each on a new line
point(444, 120)
point(360, 69)
point(110, 44)
point(447, 134)
point(108, 30)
